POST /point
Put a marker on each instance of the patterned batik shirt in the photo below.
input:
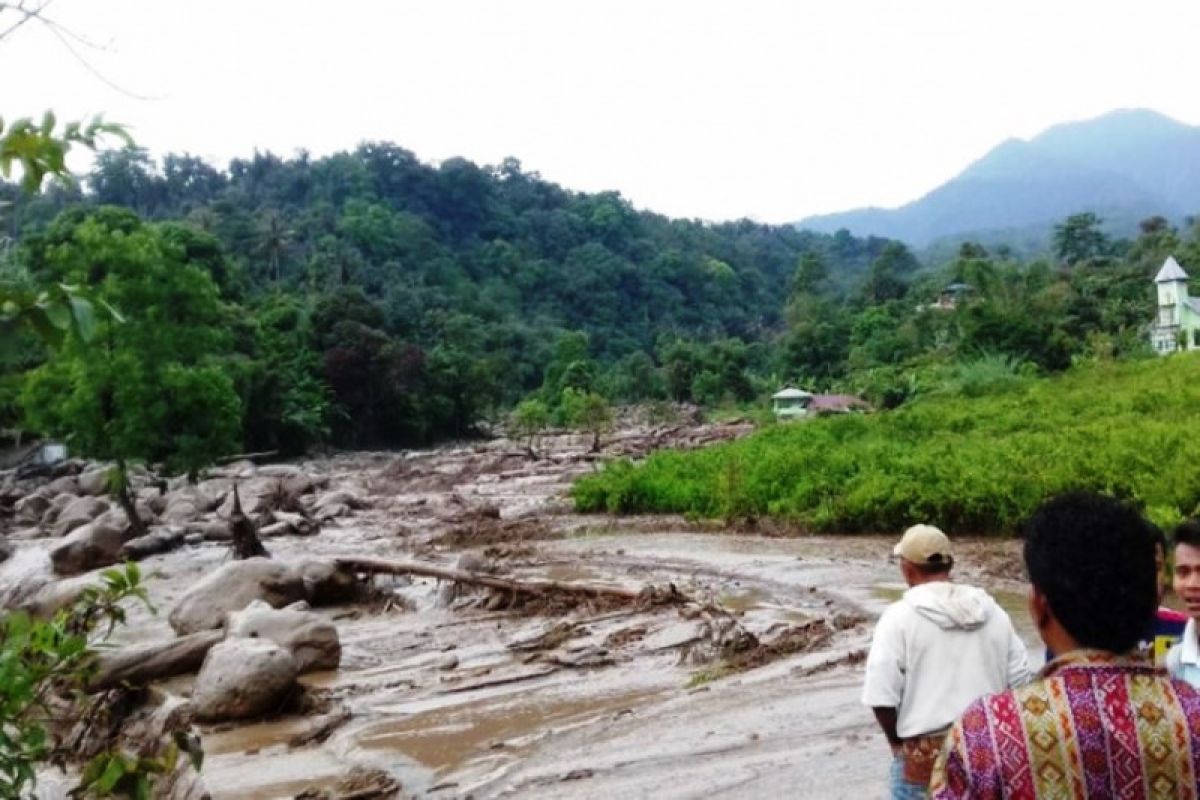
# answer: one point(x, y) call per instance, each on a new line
point(1092, 725)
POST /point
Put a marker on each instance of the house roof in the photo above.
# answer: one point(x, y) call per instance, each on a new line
point(790, 393)
point(837, 402)
point(1171, 271)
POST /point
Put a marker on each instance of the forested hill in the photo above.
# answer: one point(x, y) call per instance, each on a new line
point(1124, 166)
point(413, 298)
point(495, 243)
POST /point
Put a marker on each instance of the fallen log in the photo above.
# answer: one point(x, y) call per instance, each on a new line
point(254, 458)
point(649, 594)
point(143, 663)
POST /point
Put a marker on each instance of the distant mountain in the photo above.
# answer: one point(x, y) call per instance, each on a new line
point(1125, 165)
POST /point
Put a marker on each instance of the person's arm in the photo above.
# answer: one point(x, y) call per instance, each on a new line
point(883, 685)
point(886, 716)
point(1018, 660)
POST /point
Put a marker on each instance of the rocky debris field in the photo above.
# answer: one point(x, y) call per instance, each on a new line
point(441, 624)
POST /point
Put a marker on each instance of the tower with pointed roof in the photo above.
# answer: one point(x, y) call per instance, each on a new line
point(1177, 321)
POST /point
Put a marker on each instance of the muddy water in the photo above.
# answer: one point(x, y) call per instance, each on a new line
point(442, 694)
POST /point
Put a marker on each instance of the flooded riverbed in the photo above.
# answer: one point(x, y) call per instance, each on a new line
point(445, 692)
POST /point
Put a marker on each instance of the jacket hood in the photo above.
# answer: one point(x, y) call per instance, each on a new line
point(951, 605)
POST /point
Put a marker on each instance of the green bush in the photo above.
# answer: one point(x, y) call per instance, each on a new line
point(974, 457)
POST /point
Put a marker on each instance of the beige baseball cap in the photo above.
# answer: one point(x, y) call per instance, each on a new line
point(924, 544)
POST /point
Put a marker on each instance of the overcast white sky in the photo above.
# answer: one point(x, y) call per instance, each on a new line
point(697, 108)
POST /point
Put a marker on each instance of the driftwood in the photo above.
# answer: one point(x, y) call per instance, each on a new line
point(254, 458)
point(648, 594)
point(141, 664)
point(246, 543)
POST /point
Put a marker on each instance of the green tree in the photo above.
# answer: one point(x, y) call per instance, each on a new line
point(527, 420)
point(1079, 239)
point(148, 389)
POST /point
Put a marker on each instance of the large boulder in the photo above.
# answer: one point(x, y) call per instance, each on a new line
point(233, 587)
point(77, 513)
point(243, 678)
point(159, 540)
point(58, 502)
point(31, 508)
point(257, 495)
point(67, 484)
point(311, 639)
point(96, 544)
point(94, 482)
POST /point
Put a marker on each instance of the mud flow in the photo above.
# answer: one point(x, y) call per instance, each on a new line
point(735, 674)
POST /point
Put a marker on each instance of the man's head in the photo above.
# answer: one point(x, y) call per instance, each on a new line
point(924, 553)
point(1187, 566)
point(1090, 559)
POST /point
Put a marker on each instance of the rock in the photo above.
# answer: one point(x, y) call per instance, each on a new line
point(152, 499)
point(180, 509)
point(332, 511)
point(300, 524)
point(212, 530)
point(193, 538)
point(446, 662)
point(257, 495)
point(233, 587)
point(67, 484)
point(676, 635)
point(157, 541)
point(94, 482)
point(79, 511)
point(57, 504)
point(325, 583)
point(243, 678)
point(311, 639)
point(280, 471)
point(6, 549)
point(96, 544)
point(31, 508)
point(341, 497)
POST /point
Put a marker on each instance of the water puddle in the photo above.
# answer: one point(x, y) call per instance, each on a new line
point(445, 738)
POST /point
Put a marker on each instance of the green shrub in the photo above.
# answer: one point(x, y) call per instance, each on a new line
point(974, 457)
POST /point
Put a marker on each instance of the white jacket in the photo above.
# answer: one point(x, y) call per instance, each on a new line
point(936, 650)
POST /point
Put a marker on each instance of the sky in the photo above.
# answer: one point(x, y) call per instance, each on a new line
point(699, 109)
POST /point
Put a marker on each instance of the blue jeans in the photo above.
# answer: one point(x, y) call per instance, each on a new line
point(902, 789)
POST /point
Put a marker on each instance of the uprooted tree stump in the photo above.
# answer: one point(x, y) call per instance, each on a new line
point(245, 541)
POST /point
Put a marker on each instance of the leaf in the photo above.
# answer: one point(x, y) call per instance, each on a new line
point(113, 772)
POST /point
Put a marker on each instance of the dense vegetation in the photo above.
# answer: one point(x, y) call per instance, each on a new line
point(975, 456)
point(368, 299)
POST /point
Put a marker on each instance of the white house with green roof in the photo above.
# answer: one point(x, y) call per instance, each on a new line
point(1177, 323)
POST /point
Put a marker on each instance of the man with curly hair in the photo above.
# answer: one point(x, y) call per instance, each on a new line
point(1101, 720)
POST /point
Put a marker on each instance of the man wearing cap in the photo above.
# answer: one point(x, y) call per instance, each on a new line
point(938, 648)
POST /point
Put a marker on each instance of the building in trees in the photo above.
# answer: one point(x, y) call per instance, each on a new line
point(790, 402)
point(1177, 322)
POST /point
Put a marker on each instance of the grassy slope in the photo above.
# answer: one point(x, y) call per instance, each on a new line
point(969, 464)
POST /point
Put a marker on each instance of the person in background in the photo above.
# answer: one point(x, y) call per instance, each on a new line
point(935, 650)
point(1183, 660)
point(1100, 721)
point(1168, 625)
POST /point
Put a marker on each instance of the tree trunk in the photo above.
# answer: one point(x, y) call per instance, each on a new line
point(141, 664)
point(136, 525)
point(649, 594)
